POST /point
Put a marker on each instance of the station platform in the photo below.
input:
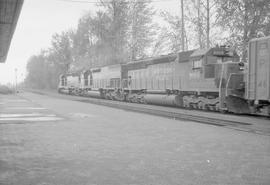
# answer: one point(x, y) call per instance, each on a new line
point(94, 144)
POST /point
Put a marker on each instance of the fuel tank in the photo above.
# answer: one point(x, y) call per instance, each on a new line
point(94, 94)
point(63, 91)
point(161, 99)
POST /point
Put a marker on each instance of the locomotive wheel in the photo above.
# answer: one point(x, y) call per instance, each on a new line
point(201, 105)
point(206, 106)
point(189, 106)
point(211, 107)
point(122, 98)
point(111, 97)
point(217, 107)
point(186, 104)
point(142, 100)
point(195, 106)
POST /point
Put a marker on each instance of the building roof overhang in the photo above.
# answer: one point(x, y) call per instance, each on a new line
point(9, 14)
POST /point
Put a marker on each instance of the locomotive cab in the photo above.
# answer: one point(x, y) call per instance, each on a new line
point(87, 80)
point(69, 83)
point(62, 83)
point(206, 67)
point(209, 71)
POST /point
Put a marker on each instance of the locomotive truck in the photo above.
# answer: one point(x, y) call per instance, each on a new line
point(207, 79)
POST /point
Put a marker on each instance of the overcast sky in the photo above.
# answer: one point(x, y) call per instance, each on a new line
point(40, 19)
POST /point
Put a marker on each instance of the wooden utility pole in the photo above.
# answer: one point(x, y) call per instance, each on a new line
point(133, 32)
point(16, 80)
point(208, 24)
point(199, 24)
point(245, 33)
point(183, 26)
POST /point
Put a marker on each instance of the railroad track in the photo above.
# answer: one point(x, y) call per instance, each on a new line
point(241, 123)
point(236, 125)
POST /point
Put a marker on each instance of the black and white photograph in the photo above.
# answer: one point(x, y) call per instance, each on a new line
point(134, 92)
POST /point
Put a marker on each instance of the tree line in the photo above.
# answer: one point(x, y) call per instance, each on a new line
point(128, 30)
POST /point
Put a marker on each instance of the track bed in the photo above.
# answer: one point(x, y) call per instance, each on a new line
point(253, 124)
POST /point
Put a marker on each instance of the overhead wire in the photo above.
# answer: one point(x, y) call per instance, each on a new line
point(95, 2)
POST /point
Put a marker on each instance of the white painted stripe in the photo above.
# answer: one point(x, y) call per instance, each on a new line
point(11, 101)
point(82, 115)
point(23, 115)
point(32, 119)
point(27, 108)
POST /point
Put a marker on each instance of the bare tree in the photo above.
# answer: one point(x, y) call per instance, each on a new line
point(142, 28)
point(182, 25)
point(244, 19)
point(204, 20)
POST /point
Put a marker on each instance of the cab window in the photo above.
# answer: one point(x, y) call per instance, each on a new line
point(197, 64)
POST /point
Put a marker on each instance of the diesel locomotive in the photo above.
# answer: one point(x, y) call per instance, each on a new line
point(207, 79)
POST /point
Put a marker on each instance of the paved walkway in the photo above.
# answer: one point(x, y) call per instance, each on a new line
point(16, 110)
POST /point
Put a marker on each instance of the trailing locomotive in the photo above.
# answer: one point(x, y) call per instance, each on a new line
point(207, 79)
